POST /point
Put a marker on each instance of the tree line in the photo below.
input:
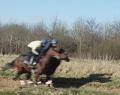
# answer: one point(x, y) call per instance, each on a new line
point(84, 38)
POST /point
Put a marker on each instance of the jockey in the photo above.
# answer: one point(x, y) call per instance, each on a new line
point(39, 48)
point(34, 50)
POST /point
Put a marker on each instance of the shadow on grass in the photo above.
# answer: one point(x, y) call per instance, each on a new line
point(61, 82)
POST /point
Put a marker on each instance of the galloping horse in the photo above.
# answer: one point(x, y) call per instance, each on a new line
point(40, 67)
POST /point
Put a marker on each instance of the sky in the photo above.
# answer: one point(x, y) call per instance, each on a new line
point(35, 11)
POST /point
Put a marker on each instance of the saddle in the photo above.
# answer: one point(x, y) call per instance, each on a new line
point(30, 63)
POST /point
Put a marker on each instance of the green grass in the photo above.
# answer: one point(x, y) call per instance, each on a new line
point(6, 73)
point(7, 93)
point(54, 91)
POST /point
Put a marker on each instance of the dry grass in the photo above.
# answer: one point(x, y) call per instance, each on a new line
point(83, 67)
point(80, 76)
point(8, 84)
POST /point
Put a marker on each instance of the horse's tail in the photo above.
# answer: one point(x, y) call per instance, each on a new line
point(8, 65)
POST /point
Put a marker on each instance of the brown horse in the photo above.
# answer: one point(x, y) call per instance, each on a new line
point(49, 63)
point(18, 63)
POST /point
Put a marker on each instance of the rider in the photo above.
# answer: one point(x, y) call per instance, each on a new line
point(39, 48)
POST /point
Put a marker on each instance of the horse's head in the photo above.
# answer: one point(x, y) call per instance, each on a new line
point(64, 55)
point(58, 53)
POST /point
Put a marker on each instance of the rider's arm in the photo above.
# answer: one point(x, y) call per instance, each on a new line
point(35, 52)
point(45, 49)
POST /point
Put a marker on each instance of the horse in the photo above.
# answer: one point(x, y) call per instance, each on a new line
point(48, 64)
point(18, 63)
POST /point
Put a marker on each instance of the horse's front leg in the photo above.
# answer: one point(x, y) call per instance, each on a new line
point(49, 80)
point(37, 75)
point(38, 72)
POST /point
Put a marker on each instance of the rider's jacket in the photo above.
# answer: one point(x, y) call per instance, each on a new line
point(34, 45)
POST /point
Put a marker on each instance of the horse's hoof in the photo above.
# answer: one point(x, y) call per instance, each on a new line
point(39, 82)
point(29, 82)
point(49, 83)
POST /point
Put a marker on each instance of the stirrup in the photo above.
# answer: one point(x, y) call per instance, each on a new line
point(34, 63)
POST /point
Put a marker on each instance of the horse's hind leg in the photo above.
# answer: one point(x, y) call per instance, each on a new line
point(28, 78)
point(36, 77)
point(28, 75)
point(17, 75)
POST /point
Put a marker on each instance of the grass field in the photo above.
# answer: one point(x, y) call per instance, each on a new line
point(78, 77)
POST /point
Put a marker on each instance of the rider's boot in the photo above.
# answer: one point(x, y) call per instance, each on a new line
point(27, 62)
